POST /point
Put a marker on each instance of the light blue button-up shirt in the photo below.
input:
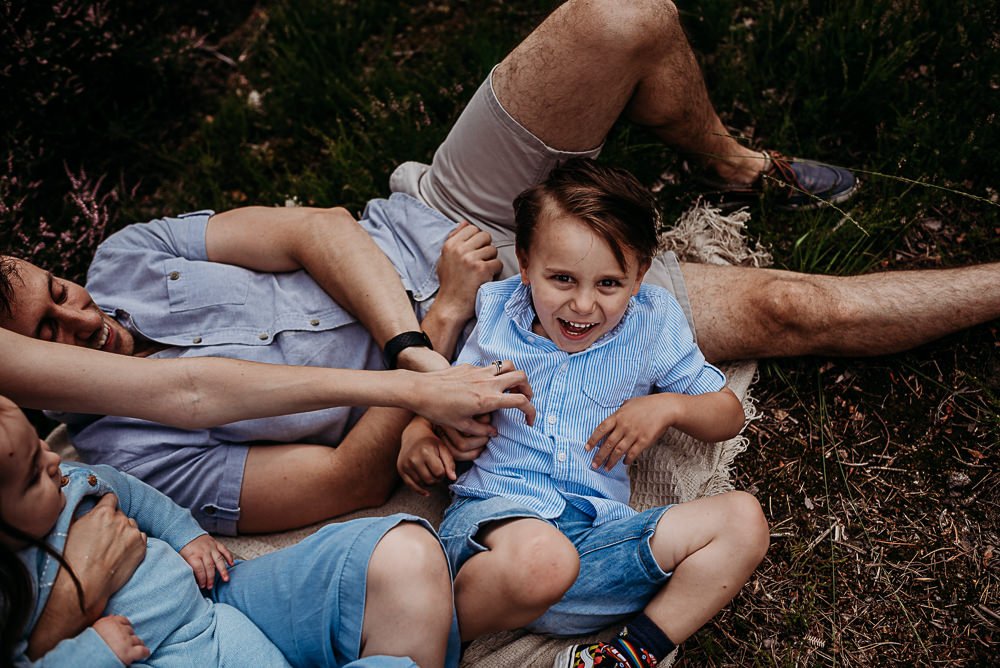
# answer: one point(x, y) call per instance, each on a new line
point(156, 278)
point(545, 466)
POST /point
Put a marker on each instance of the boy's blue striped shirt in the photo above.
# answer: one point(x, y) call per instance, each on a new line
point(545, 466)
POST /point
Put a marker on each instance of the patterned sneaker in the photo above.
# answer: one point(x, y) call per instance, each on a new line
point(789, 183)
point(603, 655)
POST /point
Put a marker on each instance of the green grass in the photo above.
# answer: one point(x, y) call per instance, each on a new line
point(148, 106)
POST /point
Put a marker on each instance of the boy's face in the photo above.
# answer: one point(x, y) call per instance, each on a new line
point(579, 290)
point(31, 495)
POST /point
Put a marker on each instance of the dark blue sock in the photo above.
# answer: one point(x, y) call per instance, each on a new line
point(644, 632)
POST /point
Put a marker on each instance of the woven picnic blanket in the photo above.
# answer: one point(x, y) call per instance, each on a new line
point(679, 468)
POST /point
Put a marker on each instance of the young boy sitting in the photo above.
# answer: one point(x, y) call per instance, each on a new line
point(540, 532)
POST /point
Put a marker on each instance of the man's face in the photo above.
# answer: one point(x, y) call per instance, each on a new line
point(578, 289)
point(54, 309)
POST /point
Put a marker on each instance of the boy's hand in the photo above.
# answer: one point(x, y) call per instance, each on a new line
point(630, 430)
point(117, 633)
point(423, 459)
point(463, 447)
point(205, 555)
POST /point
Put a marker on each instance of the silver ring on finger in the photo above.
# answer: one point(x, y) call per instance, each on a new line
point(499, 365)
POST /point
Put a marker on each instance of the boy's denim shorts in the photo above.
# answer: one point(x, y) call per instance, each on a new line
point(618, 574)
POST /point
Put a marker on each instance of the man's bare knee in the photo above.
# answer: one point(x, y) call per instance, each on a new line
point(800, 313)
point(369, 489)
point(640, 28)
point(372, 493)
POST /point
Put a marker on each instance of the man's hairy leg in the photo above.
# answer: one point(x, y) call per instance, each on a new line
point(288, 486)
point(745, 313)
point(595, 61)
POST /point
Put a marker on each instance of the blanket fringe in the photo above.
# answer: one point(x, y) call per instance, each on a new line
point(705, 234)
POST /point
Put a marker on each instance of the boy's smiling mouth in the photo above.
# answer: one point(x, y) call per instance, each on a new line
point(575, 330)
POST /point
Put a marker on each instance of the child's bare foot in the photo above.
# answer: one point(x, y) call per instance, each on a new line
point(117, 633)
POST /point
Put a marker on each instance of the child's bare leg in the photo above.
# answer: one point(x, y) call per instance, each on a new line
point(408, 602)
point(712, 545)
point(528, 568)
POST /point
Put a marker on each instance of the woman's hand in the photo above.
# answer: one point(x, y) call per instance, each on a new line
point(104, 547)
point(454, 397)
point(117, 633)
point(205, 556)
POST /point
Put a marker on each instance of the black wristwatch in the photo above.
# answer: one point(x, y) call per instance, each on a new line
point(401, 342)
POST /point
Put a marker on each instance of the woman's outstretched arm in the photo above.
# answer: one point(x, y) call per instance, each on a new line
point(202, 392)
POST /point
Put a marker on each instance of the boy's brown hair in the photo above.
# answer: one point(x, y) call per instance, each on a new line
point(609, 200)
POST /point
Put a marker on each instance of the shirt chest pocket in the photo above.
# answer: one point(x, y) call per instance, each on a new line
point(612, 379)
point(194, 285)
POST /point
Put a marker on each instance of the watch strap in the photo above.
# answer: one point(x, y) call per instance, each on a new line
point(401, 342)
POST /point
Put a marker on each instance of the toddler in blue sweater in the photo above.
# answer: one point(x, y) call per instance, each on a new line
point(173, 610)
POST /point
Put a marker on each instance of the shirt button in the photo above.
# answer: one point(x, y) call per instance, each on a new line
point(174, 275)
point(562, 369)
point(263, 336)
point(196, 339)
point(562, 456)
point(314, 322)
point(552, 419)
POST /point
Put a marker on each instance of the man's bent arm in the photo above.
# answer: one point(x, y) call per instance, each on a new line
point(331, 246)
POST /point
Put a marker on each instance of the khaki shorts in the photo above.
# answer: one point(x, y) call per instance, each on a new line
point(488, 159)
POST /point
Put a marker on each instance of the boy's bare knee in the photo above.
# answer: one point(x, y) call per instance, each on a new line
point(543, 568)
point(747, 524)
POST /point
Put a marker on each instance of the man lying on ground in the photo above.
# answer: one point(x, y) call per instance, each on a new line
point(174, 285)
